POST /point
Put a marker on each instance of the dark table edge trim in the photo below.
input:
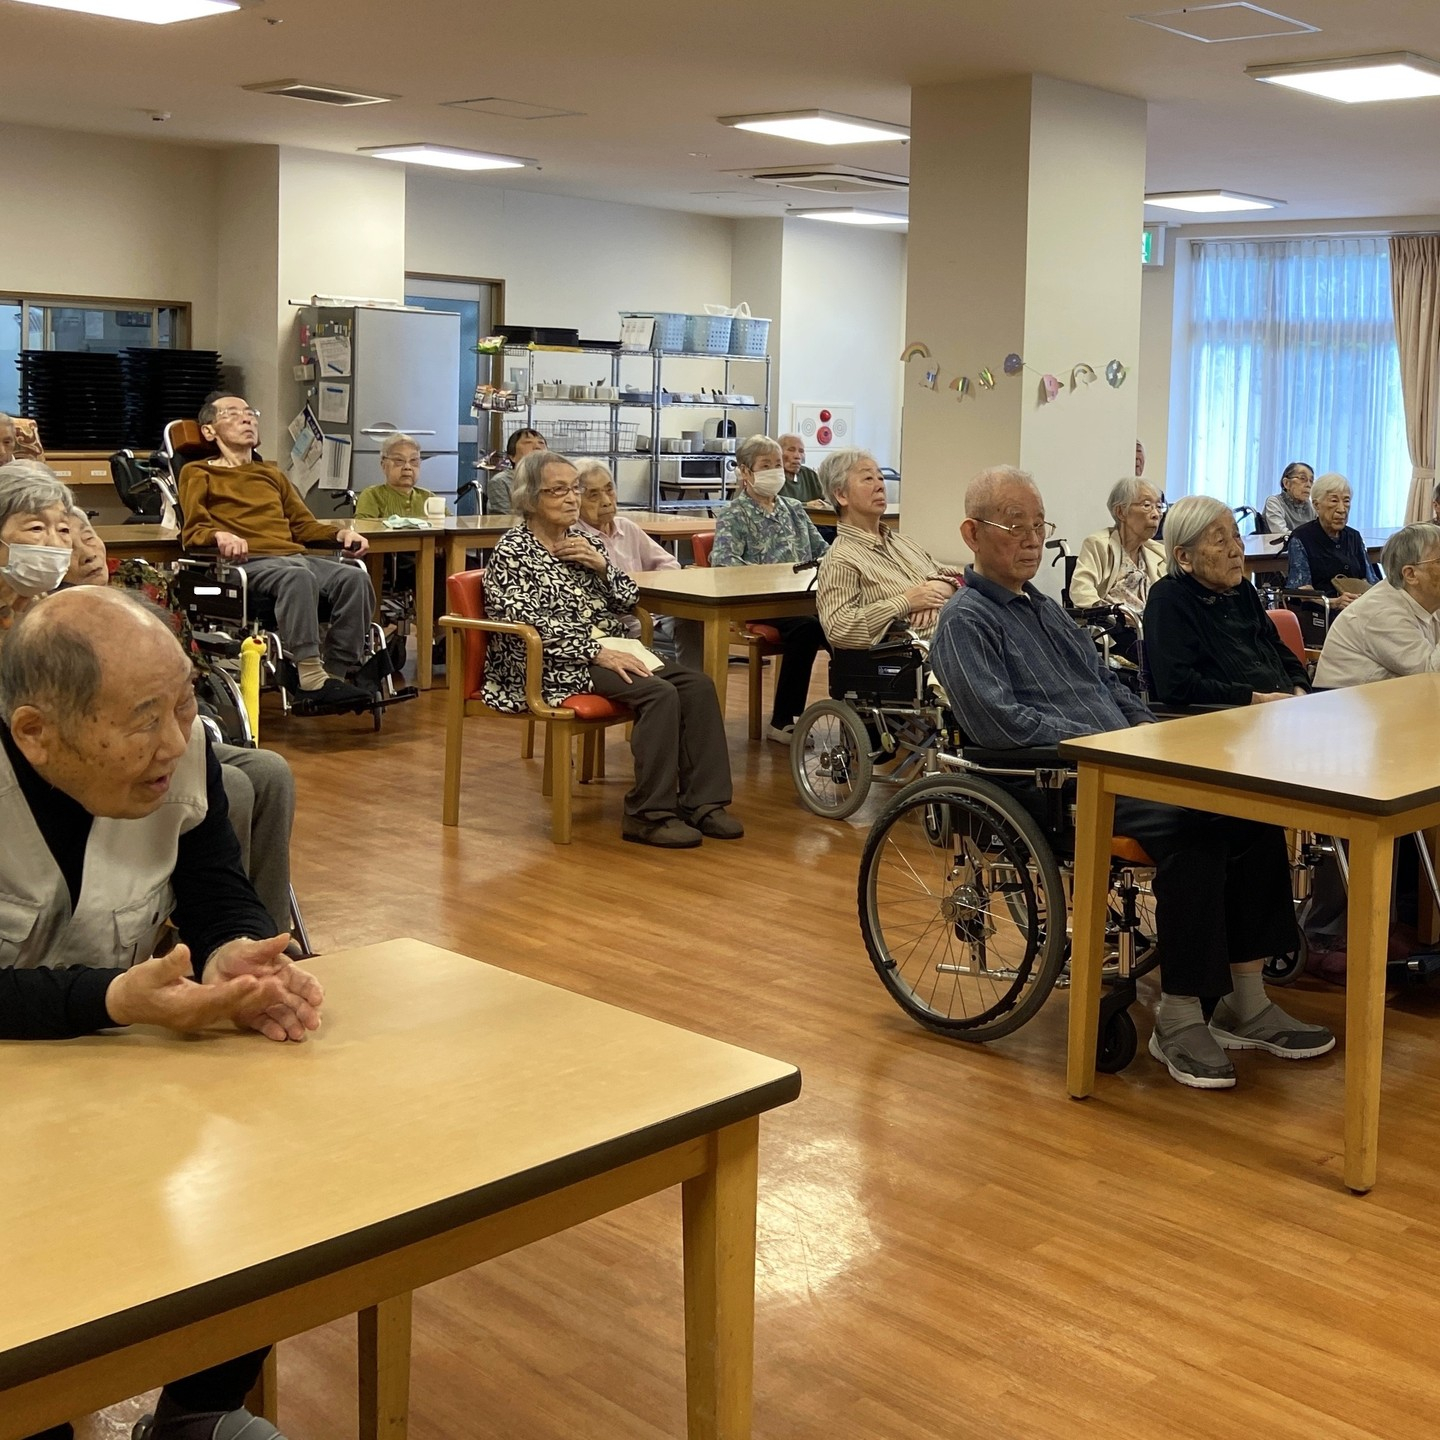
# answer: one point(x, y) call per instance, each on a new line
point(59, 1352)
point(1248, 783)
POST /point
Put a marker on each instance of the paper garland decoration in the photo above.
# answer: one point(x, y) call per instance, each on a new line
point(1051, 386)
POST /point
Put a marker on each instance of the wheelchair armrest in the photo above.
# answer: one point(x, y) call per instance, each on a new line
point(534, 657)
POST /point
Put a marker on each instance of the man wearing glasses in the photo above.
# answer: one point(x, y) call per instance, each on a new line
point(1019, 673)
point(248, 510)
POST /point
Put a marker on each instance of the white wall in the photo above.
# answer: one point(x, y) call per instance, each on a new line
point(112, 218)
point(756, 269)
point(1153, 371)
point(842, 320)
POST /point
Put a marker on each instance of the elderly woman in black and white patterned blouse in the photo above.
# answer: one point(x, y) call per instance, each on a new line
point(546, 574)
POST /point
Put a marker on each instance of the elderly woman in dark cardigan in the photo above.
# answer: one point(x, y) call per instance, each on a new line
point(1208, 640)
point(1327, 547)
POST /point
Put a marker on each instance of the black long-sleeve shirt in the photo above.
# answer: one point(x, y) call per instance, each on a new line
point(1204, 647)
point(214, 903)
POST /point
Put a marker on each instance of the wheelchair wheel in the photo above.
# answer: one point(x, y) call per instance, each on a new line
point(1119, 1041)
point(1286, 969)
point(967, 935)
point(219, 697)
point(830, 759)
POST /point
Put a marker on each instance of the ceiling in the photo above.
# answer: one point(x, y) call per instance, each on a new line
point(650, 78)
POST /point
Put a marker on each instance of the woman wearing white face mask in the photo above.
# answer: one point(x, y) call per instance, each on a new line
point(761, 527)
point(34, 535)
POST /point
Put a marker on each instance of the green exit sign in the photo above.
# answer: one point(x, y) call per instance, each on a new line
point(1152, 245)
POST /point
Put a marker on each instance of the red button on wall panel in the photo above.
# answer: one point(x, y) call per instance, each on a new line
point(825, 416)
point(824, 435)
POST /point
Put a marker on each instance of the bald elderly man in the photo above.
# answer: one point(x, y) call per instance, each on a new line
point(117, 821)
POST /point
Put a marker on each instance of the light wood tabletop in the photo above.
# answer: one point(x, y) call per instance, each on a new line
point(720, 596)
point(175, 1201)
point(1361, 764)
point(158, 544)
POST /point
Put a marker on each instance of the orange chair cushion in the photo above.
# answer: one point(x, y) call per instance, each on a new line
point(1122, 847)
point(596, 707)
point(1287, 626)
point(700, 547)
point(767, 634)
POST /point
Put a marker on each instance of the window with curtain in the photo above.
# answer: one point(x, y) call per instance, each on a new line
point(1293, 357)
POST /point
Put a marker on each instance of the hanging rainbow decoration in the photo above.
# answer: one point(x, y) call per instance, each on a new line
point(1051, 388)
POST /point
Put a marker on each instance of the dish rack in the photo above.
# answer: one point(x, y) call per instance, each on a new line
point(594, 437)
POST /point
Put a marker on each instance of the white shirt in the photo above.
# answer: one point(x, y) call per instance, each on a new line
point(1382, 634)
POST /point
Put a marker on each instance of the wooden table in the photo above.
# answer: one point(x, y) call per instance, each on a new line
point(1262, 552)
point(482, 532)
point(174, 1201)
point(160, 545)
point(1361, 764)
point(719, 596)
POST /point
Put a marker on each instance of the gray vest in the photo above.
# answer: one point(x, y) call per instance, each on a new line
point(125, 895)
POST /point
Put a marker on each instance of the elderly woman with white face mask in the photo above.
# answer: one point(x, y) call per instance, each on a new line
point(762, 527)
point(35, 547)
point(1208, 639)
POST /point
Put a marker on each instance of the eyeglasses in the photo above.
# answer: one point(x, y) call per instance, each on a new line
point(246, 414)
point(1152, 507)
point(1043, 531)
point(559, 492)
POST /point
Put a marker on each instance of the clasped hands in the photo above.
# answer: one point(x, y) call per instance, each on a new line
point(251, 983)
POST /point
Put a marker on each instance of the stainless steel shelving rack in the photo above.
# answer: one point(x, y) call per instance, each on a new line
point(658, 361)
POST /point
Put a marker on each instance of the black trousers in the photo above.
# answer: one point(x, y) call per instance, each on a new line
point(220, 1388)
point(803, 640)
point(1222, 892)
point(681, 759)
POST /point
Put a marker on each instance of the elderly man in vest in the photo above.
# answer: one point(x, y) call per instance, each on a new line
point(115, 818)
point(248, 510)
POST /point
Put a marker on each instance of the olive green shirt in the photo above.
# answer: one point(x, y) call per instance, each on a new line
point(803, 485)
point(379, 501)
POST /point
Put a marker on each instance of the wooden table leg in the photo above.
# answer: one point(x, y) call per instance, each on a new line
point(425, 611)
point(1428, 921)
point(1371, 861)
point(719, 1225)
point(264, 1397)
point(717, 655)
point(384, 1334)
point(1094, 824)
point(375, 564)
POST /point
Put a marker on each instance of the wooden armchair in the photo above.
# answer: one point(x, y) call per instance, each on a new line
point(584, 716)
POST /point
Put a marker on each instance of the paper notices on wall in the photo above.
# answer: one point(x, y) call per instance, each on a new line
point(334, 403)
point(307, 449)
point(336, 474)
point(332, 354)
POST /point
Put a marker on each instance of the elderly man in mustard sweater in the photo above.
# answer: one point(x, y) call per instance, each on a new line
point(248, 510)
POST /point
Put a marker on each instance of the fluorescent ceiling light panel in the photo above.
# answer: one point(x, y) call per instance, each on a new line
point(1210, 202)
point(1230, 20)
point(445, 157)
point(1359, 79)
point(850, 217)
point(818, 127)
point(149, 12)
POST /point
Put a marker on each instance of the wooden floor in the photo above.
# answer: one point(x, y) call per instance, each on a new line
point(949, 1246)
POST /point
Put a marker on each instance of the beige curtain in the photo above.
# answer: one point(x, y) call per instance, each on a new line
point(1415, 294)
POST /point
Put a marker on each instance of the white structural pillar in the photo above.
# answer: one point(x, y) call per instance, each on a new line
point(1026, 209)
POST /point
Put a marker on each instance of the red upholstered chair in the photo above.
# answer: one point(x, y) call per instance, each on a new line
point(760, 640)
point(583, 716)
point(1287, 624)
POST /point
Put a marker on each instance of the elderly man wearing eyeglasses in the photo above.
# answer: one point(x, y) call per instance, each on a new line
point(1019, 672)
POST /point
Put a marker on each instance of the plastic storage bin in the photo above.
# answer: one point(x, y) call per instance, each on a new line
point(749, 335)
point(669, 328)
point(708, 334)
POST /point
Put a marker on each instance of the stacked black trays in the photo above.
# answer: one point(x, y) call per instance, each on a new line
point(164, 385)
point(75, 398)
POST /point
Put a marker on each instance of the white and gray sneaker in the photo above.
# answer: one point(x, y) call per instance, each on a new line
point(1273, 1030)
point(1193, 1057)
point(231, 1425)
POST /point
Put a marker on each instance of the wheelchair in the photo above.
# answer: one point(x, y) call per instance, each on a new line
point(964, 899)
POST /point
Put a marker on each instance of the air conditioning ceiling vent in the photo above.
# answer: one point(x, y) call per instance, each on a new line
point(318, 94)
point(830, 179)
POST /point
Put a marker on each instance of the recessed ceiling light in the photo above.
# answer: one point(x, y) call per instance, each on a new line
point(1359, 79)
point(850, 216)
point(446, 157)
point(149, 12)
point(818, 127)
point(1210, 202)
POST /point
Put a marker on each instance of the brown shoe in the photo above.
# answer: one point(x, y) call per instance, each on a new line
point(717, 824)
point(668, 833)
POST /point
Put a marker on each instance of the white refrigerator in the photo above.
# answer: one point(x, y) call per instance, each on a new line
point(404, 376)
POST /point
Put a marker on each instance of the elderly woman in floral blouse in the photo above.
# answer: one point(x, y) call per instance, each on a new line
point(546, 574)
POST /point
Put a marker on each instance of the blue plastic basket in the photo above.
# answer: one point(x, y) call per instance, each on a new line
point(749, 335)
point(669, 328)
point(707, 334)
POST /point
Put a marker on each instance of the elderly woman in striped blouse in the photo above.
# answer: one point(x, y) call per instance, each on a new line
point(874, 579)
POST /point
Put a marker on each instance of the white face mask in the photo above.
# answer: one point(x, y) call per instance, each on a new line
point(36, 569)
point(768, 482)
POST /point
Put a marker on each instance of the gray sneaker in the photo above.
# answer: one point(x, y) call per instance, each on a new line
point(1192, 1057)
point(232, 1425)
point(1273, 1030)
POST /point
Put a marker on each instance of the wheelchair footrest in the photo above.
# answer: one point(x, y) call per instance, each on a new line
point(1417, 967)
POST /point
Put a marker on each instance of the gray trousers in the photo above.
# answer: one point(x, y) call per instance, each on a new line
point(295, 585)
point(261, 792)
point(681, 760)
